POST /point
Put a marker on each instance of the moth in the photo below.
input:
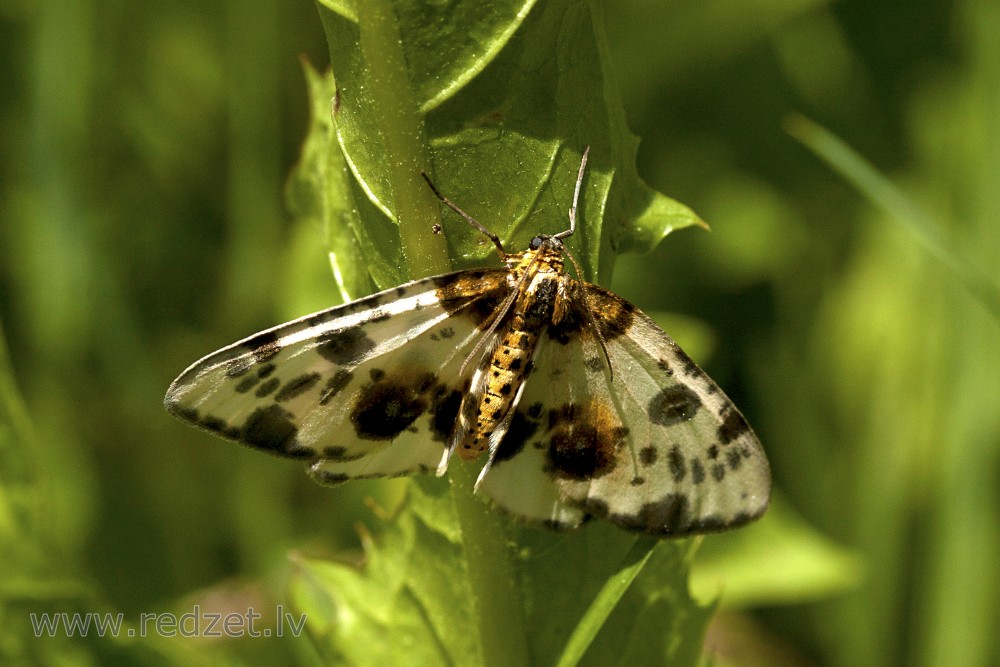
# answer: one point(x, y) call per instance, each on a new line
point(579, 404)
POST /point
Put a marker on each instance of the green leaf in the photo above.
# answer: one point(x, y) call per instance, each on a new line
point(319, 192)
point(497, 105)
point(604, 604)
point(411, 602)
point(416, 600)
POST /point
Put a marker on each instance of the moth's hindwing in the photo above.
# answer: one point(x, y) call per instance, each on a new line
point(659, 448)
point(367, 389)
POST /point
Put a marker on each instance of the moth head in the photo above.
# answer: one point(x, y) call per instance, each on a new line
point(544, 241)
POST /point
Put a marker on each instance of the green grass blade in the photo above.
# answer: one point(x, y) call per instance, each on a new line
point(886, 196)
point(606, 601)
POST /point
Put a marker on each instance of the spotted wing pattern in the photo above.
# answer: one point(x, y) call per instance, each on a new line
point(375, 388)
point(367, 389)
point(656, 448)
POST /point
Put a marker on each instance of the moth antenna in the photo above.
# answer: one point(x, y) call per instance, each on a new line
point(590, 314)
point(468, 218)
point(576, 197)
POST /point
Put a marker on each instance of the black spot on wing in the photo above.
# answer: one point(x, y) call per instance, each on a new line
point(697, 471)
point(214, 424)
point(676, 464)
point(570, 326)
point(267, 387)
point(578, 453)
point(670, 515)
point(256, 350)
point(445, 414)
point(733, 458)
point(673, 404)
point(713, 523)
point(344, 347)
point(563, 413)
point(248, 382)
point(369, 303)
point(733, 427)
point(316, 319)
point(271, 428)
point(690, 368)
point(297, 386)
point(584, 441)
point(648, 455)
point(335, 385)
point(188, 414)
point(263, 346)
point(208, 422)
point(521, 430)
point(328, 478)
point(386, 408)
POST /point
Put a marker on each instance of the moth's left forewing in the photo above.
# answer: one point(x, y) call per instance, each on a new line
point(368, 389)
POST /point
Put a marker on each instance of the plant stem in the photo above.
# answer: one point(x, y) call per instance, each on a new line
point(403, 136)
point(499, 606)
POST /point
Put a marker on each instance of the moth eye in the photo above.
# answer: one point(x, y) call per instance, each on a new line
point(536, 243)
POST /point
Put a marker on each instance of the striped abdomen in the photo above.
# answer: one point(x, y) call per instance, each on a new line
point(497, 383)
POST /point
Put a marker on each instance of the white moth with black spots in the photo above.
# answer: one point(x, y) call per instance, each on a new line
point(580, 403)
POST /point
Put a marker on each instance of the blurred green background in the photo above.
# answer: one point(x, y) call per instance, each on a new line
point(143, 153)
